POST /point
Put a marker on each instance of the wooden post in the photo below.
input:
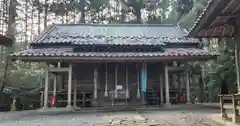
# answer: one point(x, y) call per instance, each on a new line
point(127, 93)
point(202, 84)
point(106, 81)
point(138, 83)
point(188, 88)
point(167, 95)
point(69, 86)
point(46, 90)
point(75, 92)
point(161, 90)
point(223, 113)
point(116, 81)
point(237, 66)
point(234, 109)
point(41, 99)
point(95, 81)
point(55, 86)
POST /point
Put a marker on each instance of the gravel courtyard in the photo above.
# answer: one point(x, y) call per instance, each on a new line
point(128, 118)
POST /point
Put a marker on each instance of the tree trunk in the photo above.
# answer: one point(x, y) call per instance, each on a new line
point(26, 25)
point(39, 17)
point(11, 34)
point(45, 13)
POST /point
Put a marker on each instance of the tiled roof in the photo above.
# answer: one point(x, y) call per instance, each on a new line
point(216, 20)
point(51, 52)
point(100, 40)
point(116, 34)
point(202, 14)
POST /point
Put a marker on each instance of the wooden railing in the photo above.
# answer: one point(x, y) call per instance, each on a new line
point(234, 98)
point(81, 98)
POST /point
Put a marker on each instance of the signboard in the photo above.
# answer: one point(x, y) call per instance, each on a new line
point(119, 87)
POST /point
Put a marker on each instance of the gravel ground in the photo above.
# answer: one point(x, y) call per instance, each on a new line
point(183, 118)
point(163, 118)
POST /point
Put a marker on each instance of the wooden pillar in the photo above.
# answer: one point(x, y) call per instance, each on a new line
point(144, 83)
point(55, 86)
point(237, 66)
point(69, 86)
point(95, 81)
point(59, 78)
point(46, 90)
point(202, 84)
point(75, 92)
point(235, 111)
point(116, 81)
point(41, 99)
point(223, 112)
point(161, 90)
point(138, 82)
point(106, 81)
point(167, 95)
point(188, 88)
point(127, 91)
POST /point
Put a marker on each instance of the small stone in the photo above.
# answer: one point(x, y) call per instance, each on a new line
point(139, 118)
point(116, 121)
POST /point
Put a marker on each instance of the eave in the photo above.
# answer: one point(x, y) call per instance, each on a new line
point(216, 19)
point(5, 41)
point(95, 59)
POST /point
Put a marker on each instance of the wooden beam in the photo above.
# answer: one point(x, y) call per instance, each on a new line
point(112, 59)
point(176, 68)
point(51, 69)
